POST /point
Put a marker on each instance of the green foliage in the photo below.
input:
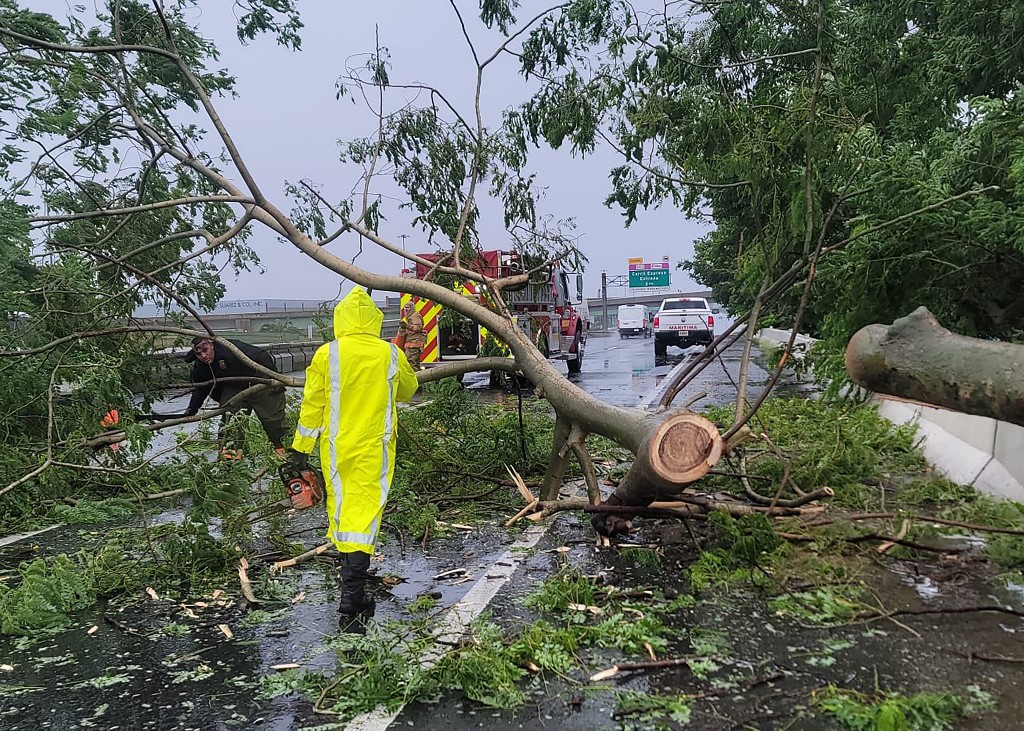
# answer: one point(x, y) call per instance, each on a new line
point(85, 270)
point(892, 712)
point(422, 604)
point(557, 592)
point(827, 605)
point(485, 671)
point(724, 117)
point(453, 444)
point(384, 668)
point(709, 642)
point(279, 18)
point(282, 683)
point(92, 511)
point(647, 558)
point(957, 502)
point(746, 546)
point(50, 588)
point(835, 444)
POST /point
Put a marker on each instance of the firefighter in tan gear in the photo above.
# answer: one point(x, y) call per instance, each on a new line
point(411, 329)
point(350, 406)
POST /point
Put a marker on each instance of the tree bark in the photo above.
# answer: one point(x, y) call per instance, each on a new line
point(916, 358)
point(676, 449)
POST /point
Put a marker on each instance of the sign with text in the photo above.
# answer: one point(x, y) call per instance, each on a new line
point(649, 275)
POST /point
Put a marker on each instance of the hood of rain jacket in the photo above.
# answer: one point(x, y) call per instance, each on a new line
point(357, 314)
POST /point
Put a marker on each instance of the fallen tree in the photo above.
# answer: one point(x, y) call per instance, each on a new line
point(112, 242)
point(916, 358)
point(673, 448)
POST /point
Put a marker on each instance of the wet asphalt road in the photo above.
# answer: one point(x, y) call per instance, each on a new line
point(625, 372)
point(132, 673)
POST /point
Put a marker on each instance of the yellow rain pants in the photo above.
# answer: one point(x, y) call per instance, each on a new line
point(350, 403)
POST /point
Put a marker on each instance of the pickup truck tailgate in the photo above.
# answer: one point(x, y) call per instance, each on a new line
point(682, 321)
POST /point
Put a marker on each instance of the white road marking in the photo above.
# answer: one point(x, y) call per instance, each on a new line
point(22, 536)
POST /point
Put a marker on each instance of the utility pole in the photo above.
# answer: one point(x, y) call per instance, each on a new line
point(616, 280)
point(403, 237)
point(604, 298)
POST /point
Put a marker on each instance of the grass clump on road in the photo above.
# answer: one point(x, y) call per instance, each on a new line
point(892, 712)
point(747, 547)
point(652, 709)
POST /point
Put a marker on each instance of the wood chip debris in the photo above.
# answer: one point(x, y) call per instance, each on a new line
point(450, 574)
point(93, 630)
point(586, 608)
point(152, 593)
point(217, 593)
point(460, 526)
point(605, 674)
point(226, 630)
point(286, 666)
point(298, 597)
point(7, 668)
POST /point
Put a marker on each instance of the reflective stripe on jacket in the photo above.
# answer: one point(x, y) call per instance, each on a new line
point(350, 404)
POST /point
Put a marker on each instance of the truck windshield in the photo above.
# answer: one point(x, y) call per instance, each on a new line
point(684, 305)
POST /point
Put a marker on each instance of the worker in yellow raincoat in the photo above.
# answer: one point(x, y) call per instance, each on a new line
point(350, 404)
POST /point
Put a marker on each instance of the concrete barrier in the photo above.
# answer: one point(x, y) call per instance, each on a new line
point(971, 450)
point(283, 362)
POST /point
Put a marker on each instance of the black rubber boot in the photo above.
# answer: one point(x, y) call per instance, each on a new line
point(354, 573)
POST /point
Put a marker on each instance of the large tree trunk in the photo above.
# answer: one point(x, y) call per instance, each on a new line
point(916, 358)
point(675, 450)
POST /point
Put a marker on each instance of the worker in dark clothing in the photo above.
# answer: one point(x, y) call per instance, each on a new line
point(214, 363)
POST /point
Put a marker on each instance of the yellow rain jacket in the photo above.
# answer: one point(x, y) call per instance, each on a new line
point(350, 402)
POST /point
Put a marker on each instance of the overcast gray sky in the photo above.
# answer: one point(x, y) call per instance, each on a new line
point(287, 123)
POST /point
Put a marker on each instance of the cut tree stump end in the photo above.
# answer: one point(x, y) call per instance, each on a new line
point(684, 447)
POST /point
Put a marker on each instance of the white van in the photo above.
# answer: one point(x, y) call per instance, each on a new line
point(632, 320)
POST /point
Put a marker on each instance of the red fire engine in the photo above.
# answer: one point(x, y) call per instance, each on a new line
point(549, 310)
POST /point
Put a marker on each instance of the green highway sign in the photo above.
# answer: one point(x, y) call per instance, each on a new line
point(642, 278)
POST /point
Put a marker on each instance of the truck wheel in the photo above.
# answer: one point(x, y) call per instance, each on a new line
point(577, 364)
point(660, 349)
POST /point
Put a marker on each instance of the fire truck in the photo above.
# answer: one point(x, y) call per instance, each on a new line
point(550, 309)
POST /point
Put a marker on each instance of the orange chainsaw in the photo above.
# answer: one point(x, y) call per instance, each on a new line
point(305, 487)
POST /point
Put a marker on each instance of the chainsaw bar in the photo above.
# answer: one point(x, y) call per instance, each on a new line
point(265, 511)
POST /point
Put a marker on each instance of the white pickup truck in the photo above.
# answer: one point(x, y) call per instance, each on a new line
point(683, 321)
